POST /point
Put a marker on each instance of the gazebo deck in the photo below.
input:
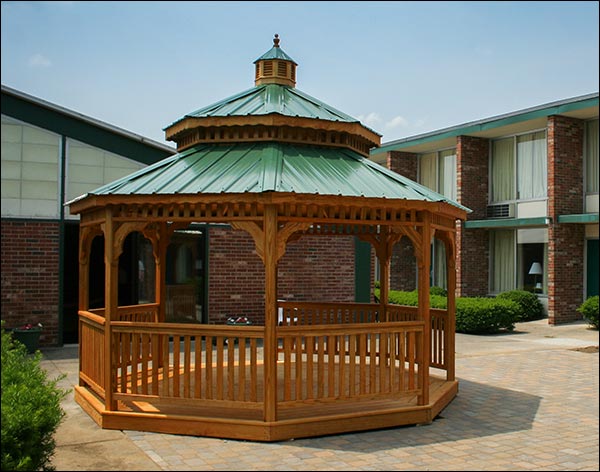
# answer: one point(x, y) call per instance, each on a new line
point(307, 418)
point(214, 380)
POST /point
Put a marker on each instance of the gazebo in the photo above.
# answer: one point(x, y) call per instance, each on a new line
point(278, 164)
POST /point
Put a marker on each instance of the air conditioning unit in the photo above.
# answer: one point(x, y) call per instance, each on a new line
point(502, 210)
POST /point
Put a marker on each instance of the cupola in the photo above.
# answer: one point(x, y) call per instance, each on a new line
point(274, 110)
point(275, 67)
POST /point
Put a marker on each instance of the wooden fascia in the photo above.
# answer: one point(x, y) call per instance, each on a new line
point(273, 119)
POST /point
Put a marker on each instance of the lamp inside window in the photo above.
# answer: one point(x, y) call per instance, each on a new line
point(535, 270)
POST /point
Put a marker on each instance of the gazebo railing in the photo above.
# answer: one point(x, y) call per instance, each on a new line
point(316, 313)
point(350, 361)
point(222, 365)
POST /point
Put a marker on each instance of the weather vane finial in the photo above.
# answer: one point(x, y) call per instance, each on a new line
point(276, 41)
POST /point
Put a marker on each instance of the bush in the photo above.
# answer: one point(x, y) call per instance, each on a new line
point(485, 315)
point(589, 310)
point(530, 306)
point(31, 409)
point(442, 292)
point(399, 297)
point(473, 315)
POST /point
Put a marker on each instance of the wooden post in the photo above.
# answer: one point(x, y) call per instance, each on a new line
point(424, 261)
point(111, 264)
point(384, 281)
point(450, 328)
point(270, 342)
point(160, 287)
point(85, 247)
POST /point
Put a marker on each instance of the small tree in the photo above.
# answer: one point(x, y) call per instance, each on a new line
point(31, 410)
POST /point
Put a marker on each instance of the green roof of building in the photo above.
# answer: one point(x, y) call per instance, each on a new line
point(272, 98)
point(270, 167)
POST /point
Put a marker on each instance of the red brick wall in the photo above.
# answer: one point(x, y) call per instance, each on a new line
point(314, 268)
point(30, 262)
point(403, 266)
point(472, 268)
point(565, 241)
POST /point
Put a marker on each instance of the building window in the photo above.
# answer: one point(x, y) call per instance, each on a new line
point(519, 260)
point(438, 264)
point(591, 157)
point(519, 168)
point(89, 167)
point(30, 170)
point(437, 171)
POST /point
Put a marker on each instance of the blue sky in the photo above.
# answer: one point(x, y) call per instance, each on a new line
point(402, 68)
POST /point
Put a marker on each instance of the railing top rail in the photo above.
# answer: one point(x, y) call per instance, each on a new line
point(351, 328)
point(288, 303)
point(143, 306)
point(185, 329)
point(89, 316)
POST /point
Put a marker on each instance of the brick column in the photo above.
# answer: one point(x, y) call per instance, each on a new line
point(472, 264)
point(403, 266)
point(565, 241)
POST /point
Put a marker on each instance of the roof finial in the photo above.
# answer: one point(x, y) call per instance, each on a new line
point(276, 41)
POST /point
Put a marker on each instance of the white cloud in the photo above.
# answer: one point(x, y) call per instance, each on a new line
point(397, 122)
point(37, 60)
point(371, 120)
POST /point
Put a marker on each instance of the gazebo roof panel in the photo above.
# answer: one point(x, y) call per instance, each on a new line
point(271, 167)
point(271, 98)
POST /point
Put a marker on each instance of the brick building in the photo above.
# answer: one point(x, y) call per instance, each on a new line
point(51, 155)
point(531, 179)
point(546, 213)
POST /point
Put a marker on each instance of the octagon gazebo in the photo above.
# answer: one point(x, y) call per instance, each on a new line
point(278, 164)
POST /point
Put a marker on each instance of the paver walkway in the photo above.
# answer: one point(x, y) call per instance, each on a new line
point(527, 401)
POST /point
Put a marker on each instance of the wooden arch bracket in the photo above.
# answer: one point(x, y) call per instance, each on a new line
point(285, 233)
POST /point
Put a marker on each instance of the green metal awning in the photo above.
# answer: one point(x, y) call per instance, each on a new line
point(507, 222)
point(270, 167)
point(579, 218)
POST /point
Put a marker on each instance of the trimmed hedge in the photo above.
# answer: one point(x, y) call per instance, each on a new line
point(589, 310)
point(31, 410)
point(485, 315)
point(474, 315)
point(530, 306)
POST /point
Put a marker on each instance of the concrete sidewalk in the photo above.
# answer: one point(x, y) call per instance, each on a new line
point(528, 400)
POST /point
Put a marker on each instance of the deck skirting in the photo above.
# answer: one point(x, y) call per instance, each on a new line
point(293, 422)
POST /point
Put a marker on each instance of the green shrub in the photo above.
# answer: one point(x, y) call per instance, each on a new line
point(442, 292)
point(473, 315)
point(31, 410)
point(399, 297)
point(589, 310)
point(485, 315)
point(530, 306)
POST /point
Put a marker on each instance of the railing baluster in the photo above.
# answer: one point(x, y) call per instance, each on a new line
point(187, 367)
point(176, 364)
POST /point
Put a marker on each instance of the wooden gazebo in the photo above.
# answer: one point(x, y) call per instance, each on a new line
point(277, 164)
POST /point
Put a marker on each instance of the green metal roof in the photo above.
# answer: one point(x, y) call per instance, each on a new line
point(472, 128)
point(270, 167)
point(271, 98)
point(275, 53)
